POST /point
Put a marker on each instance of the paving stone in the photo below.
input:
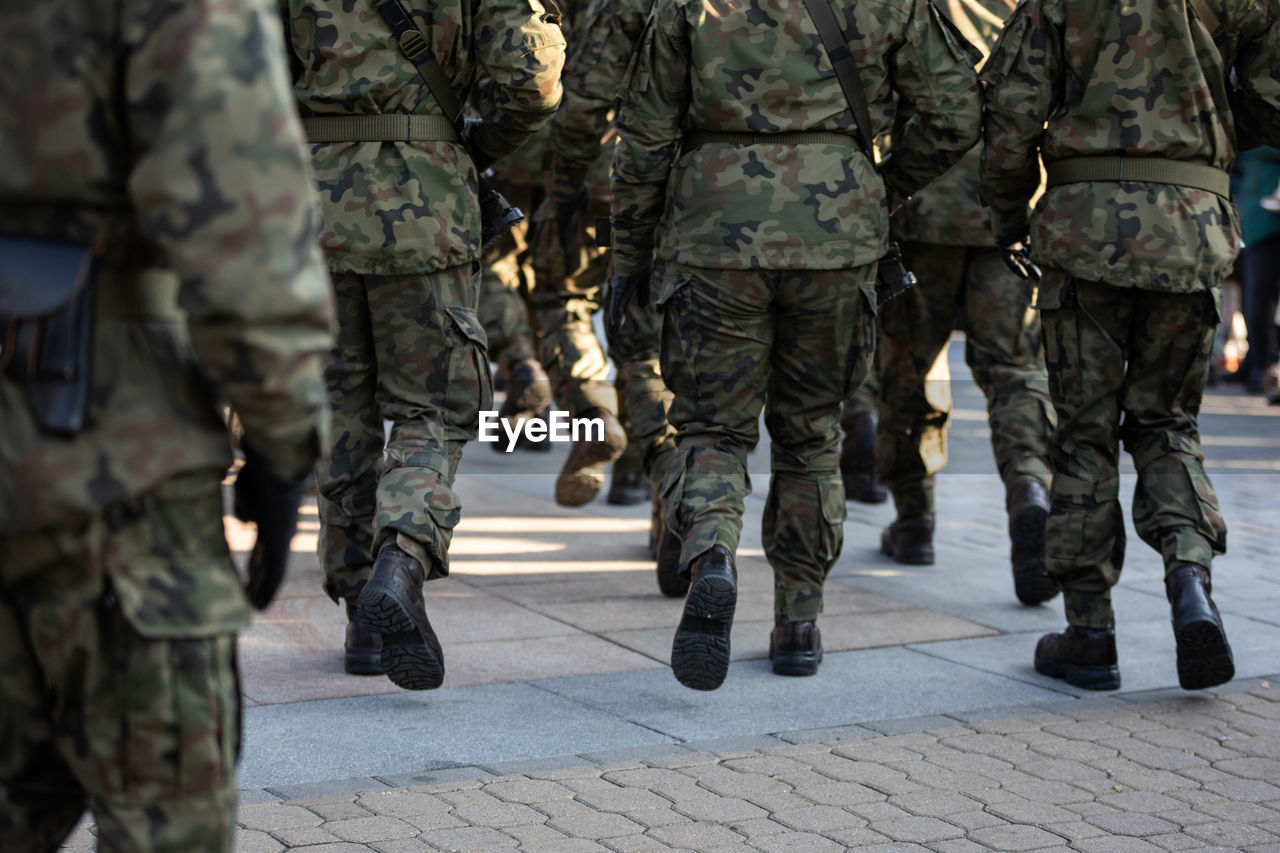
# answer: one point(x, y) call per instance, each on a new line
point(974, 820)
point(318, 790)
point(921, 830)
point(1076, 830)
point(1176, 841)
point(657, 817)
point(1186, 816)
point(256, 841)
point(1031, 812)
point(433, 820)
point(498, 814)
point(634, 844)
point(402, 845)
point(1239, 812)
point(934, 803)
point(334, 808)
point(1115, 844)
point(1247, 790)
point(255, 796)
point(338, 847)
point(698, 835)
point(1230, 834)
point(1132, 823)
point(840, 793)
point(1064, 770)
point(304, 836)
point(564, 845)
point(528, 766)
point(774, 764)
point(1140, 801)
point(855, 839)
point(702, 806)
point(528, 791)
point(883, 779)
point(622, 800)
point(818, 819)
point(807, 736)
point(659, 779)
point(958, 845)
point(1057, 793)
point(874, 812)
point(528, 833)
point(911, 724)
point(366, 829)
point(468, 838)
point(401, 803)
point(595, 825)
point(1250, 768)
point(269, 816)
point(799, 842)
point(1013, 838)
point(760, 826)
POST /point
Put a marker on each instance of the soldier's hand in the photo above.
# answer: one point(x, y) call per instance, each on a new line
point(272, 503)
point(618, 293)
point(1016, 256)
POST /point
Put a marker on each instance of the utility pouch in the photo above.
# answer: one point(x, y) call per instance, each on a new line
point(46, 327)
point(892, 275)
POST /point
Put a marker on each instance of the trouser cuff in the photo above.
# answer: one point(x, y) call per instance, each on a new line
point(799, 605)
point(1089, 609)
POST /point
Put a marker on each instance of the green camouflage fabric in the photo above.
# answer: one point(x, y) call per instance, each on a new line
point(721, 66)
point(403, 208)
point(1127, 365)
point(1138, 80)
point(107, 707)
point(643, 398)
point(410, 351)
point(1002, 349)
point(119, 602)
point(505, 277)
point(865, 401)
point(793, 343)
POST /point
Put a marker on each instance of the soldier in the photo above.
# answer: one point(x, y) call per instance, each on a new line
point(858, 447)
point(402, 230)
point(948, 245)
point(766, 220)
point(581, 131)
point(1135, 233)
point(165, 193)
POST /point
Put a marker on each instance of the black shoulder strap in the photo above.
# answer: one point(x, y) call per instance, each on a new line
point(414, 45)
point(842, 61)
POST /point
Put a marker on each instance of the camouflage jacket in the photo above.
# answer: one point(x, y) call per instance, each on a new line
point(167, 128)
point(402, 208)
point(949, 211)
point(725, 65)
point(1080, 78)
point(582, 131)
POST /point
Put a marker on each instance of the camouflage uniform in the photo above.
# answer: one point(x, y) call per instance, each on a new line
point(402, 238)
point(119, 603)
point(948, 244)
point(768, 250)
point(582, 139)
point(1131, 293)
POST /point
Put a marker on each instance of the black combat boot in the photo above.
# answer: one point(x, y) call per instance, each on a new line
point(528, 390)
point(858, 462)
point(795, 648)
point(363, 648)
point(1028, 504)
point(392, 605)
point(700, 652)
point(628, 488)
point(1085, 657)
point(583, 472)
point(1204, 657)
point(909, 540)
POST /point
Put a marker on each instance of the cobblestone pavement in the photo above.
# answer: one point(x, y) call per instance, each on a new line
point(1194, 773)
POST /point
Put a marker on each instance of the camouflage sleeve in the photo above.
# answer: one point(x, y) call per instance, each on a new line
point(1019, 77)
point(654, 99)
point(520, 45)
point(934, 72)
point(1257, 102)
point(593, 74)
point(221, 183)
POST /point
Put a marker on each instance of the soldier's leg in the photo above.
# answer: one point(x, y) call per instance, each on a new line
point(1087, 339)
point(562, 307)
point(858, 420)
point(503, 314)
point(915, 395)
point(823, 346)
point(1175, 509)
point(433, 380)
point(148, 724)
point(1003, 350)
point(347, 477)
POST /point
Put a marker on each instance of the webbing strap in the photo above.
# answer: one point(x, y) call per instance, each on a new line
point(805, 137)
point(388, 127)
point(150, 294)
point(842, 61)
point(416, 49)
point(1152, 170)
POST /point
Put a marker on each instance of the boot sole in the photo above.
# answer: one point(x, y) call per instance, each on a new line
point(363, 663)
point(794, 663)
point(411, 655)
point(1026, 531)
point(1086, 677)
point(578, 485)
point(700, 652)
point(1204, 657)
point(907, 557)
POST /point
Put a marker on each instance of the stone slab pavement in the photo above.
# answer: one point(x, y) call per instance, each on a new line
point(560, 726)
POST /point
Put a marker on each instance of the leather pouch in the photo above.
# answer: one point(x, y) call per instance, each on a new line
point(46, 327)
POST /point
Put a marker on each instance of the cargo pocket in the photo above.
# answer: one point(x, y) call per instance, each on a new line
point(834, 512)
point(469, 387)
point(673, 360)
point(1060, 324)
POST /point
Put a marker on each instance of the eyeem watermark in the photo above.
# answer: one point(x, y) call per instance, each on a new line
point(558, 426)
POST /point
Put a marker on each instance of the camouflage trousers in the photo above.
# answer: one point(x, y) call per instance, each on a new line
point(504, 278)
point(1126, 365)
point(795, 343)
point(1002, 350)
point(643, 398)
point(141, 728)
point(410, 350)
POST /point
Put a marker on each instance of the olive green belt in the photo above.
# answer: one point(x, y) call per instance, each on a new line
point(1149, 170)
point(388, 127)
point(695, 138)
point(146, 294)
